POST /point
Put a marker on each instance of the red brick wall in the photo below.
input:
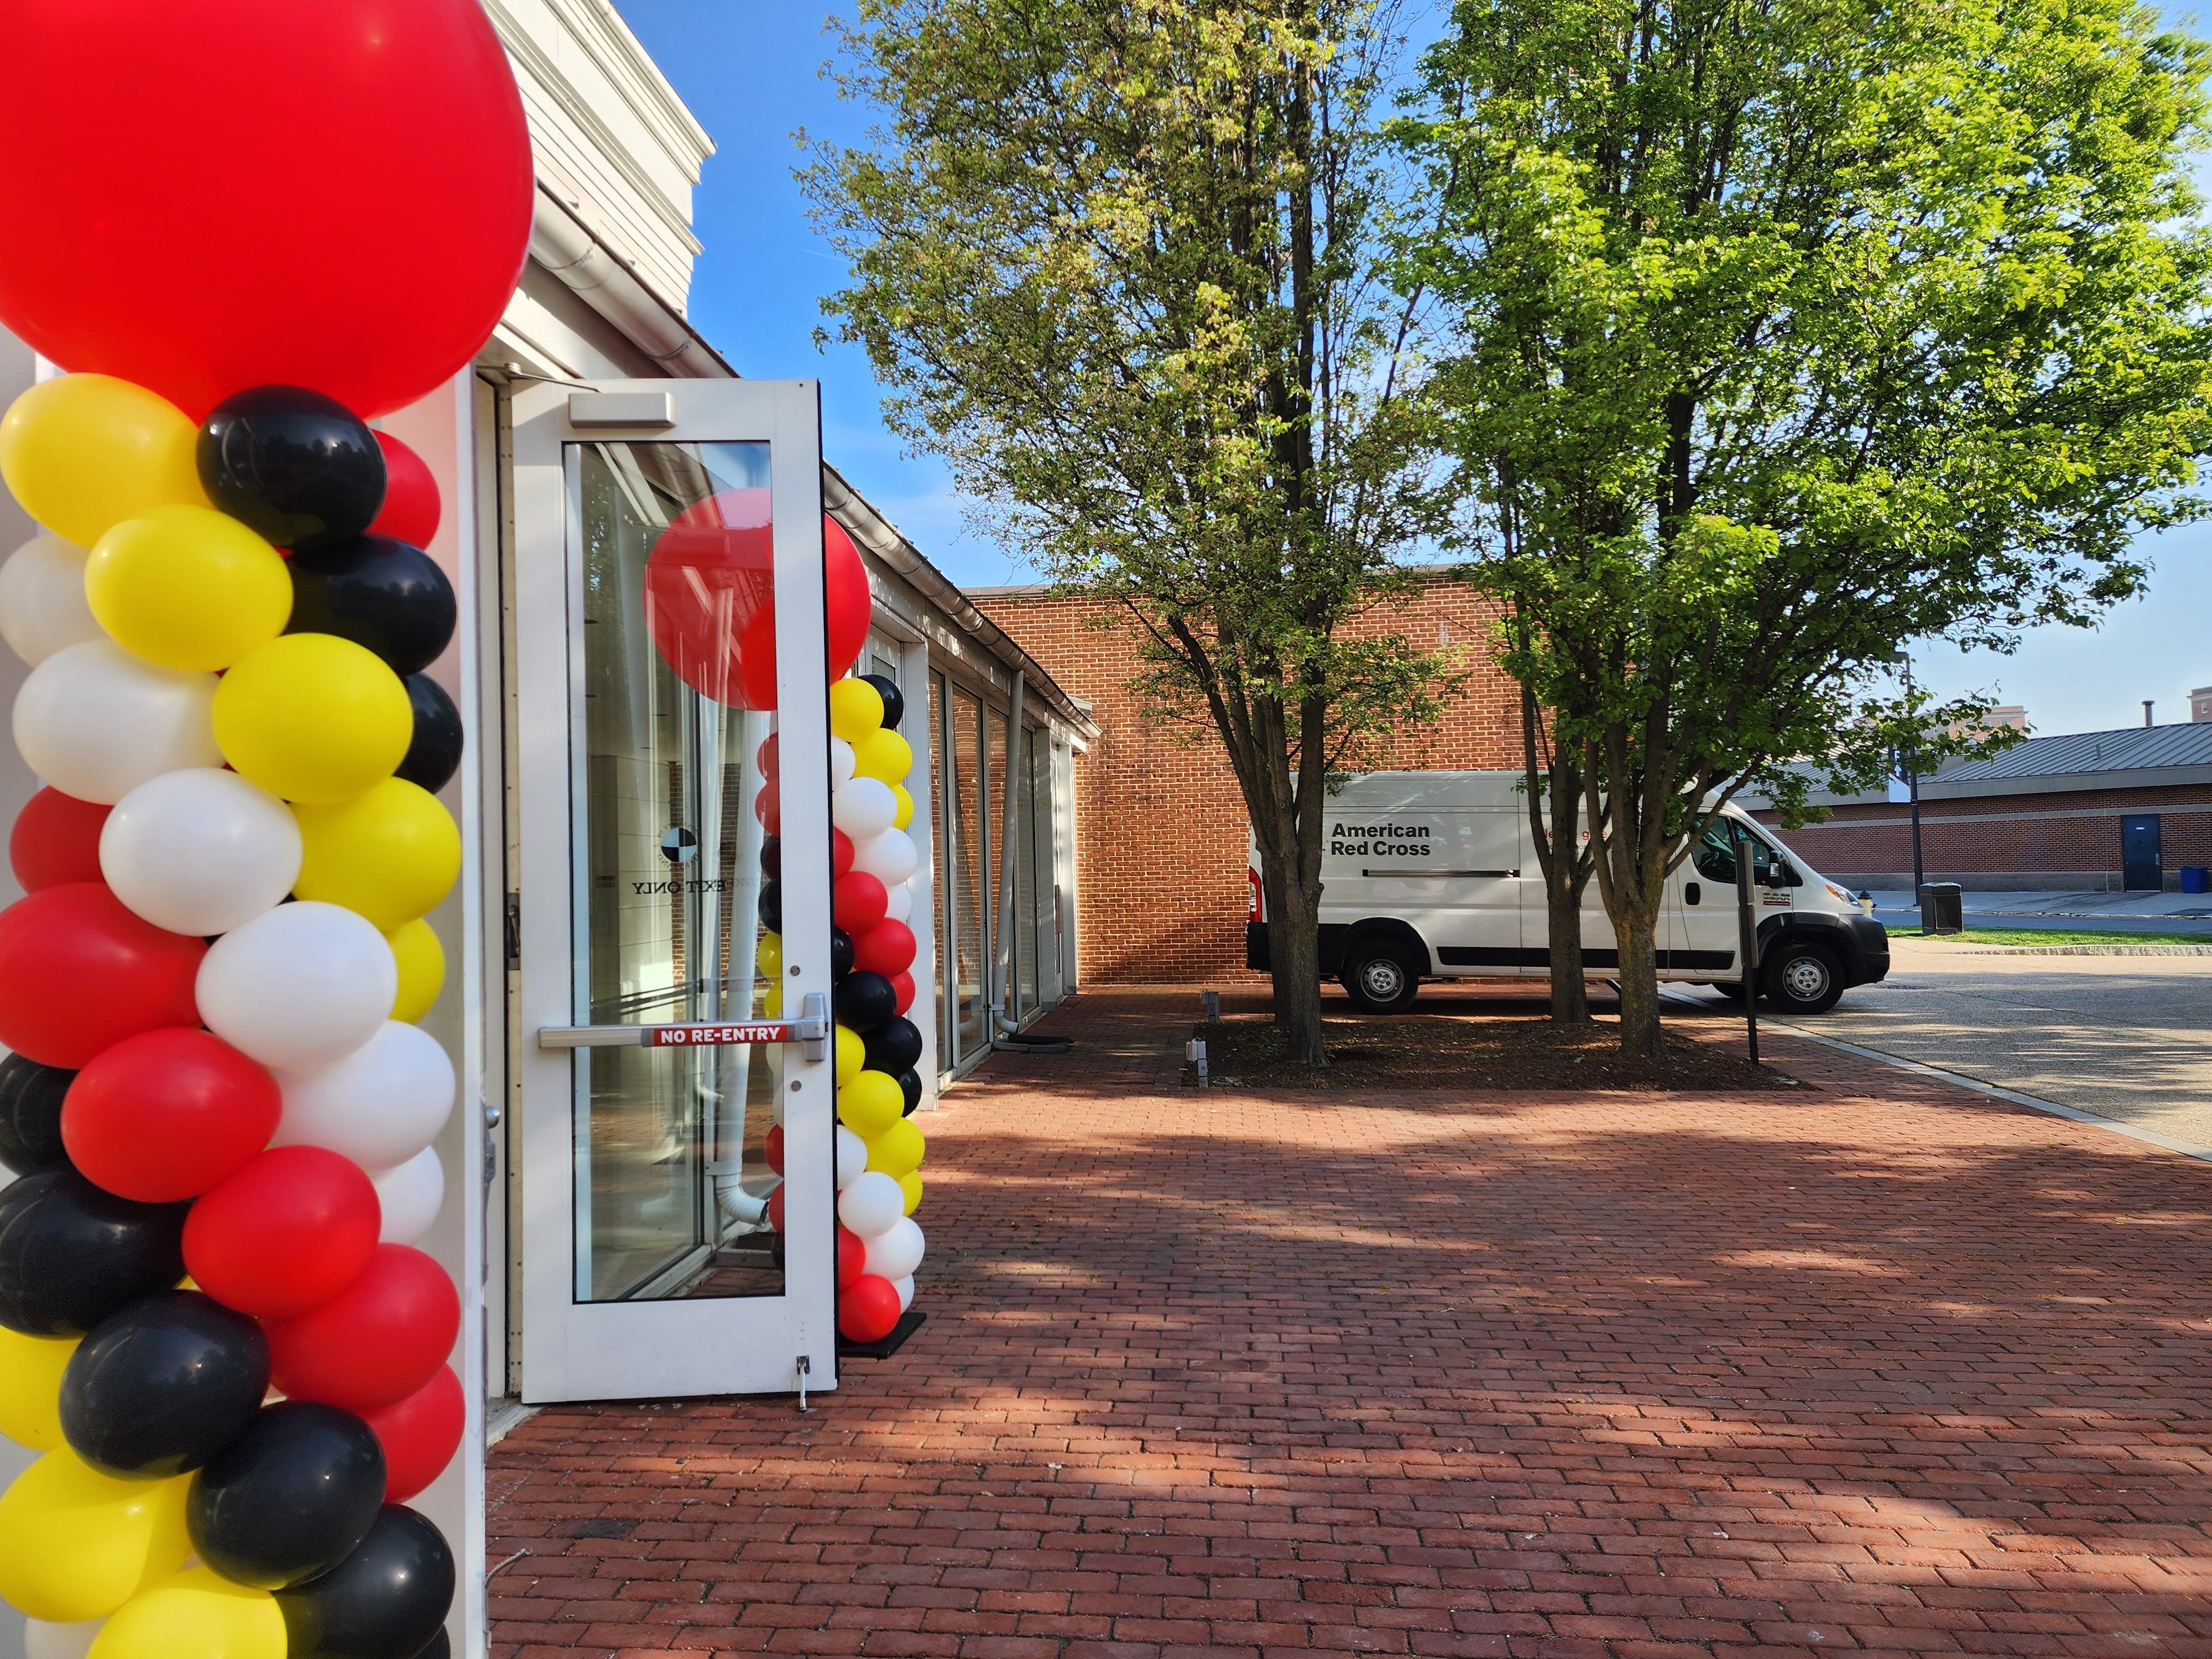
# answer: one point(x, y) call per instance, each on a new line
point(2059, 833)
point(1160, 826)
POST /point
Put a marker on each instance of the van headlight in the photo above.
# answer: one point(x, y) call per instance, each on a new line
point(1838, 894)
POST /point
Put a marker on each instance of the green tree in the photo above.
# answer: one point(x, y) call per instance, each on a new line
point(1786, 331)
point(1118, 262)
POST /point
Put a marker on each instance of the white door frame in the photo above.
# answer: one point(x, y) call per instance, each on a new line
point(642, 1349)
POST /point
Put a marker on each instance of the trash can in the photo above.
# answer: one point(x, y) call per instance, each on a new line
point(1942, 907)
point(2195, 878)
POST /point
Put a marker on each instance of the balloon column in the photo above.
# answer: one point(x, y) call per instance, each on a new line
point(215, 1327)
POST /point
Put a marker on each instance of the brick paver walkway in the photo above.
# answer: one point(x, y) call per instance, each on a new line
point(1882, 1366)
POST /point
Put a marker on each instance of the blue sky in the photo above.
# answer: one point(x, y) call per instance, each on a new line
point(750, 71)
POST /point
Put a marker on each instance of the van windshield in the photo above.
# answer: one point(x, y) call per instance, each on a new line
point(1715, 858)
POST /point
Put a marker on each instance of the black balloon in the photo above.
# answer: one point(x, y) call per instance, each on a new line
point(378, 592)
point(385, 1600)
point(909, 1083)
point(434, 753)
point(894, 699)
point(841, 953)
point(295, 466)
point(162, 1387)
point(70, 1255)
point(864, 1001)
point(894, 1045)
point(290, 1499)
point(31, 1115)
point(771, 906)
point(772, 856)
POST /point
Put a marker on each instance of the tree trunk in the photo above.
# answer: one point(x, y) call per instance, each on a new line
point(1636, 931)
point(1563, 907)
point(1294, 963)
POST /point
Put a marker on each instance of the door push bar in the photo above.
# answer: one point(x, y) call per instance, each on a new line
point(811, 1029)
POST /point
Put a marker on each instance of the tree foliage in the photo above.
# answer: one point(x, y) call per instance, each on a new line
point(1118, 263)
point(1784, 332)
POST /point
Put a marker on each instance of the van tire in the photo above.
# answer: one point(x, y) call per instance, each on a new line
point(1800, 976)
point(1381, 975)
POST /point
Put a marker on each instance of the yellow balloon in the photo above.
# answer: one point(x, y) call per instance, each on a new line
point(911, 1185)
point(767, 956)
point(422, 962)
point(852, 1054)
point(772, 1003)
point(870, 1102)
point(312, 717)
point(883, 754)
point(904, 815)
point(856, 708)
point(194, 1614)
point(187, 587)
point(390, 854)
point(85, 452)
point(30, 1388)
point(75, 1544)
point(897, 1149)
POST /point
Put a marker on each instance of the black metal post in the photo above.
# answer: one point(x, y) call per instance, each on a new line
point(1747, 937)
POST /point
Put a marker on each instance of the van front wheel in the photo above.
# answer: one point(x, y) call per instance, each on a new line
point(1800, 977)
point(1380, 977)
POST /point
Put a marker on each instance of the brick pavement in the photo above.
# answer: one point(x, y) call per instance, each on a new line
point(1884, 1365)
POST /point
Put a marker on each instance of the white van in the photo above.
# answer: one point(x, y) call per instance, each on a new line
point(1433, 875)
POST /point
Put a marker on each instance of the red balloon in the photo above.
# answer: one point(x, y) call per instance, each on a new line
point(419, 1434)
point(289, 1231)
point(374, 1343)
point(769, 809)
point(412, 507)
point(166, 1115)
point(902, 992)
point(887, 949)
point(767, 754)
point(775, 1206)
point(867, 1309)
point(79, 973)
point(840, 854)
point(55, 840)
point(852, 1257)
point(366, 257)
point(857, 903)
point(772, 1150)
point(708, 574)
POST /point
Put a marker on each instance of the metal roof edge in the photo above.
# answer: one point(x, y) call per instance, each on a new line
point(2052, 783)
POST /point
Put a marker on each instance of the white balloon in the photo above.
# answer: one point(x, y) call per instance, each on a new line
point(841, 762)
point(44, 1641)
point(901, 906)
point(200, 851)
point(380, 1105)
point(299, 986)
point(96, 722)
point(412, 1194)
point(889, 856)
point(851, 1158)
point(905, 1288)
point(863, 807)
point(896, 1251)
point(42, 605)
point(872, 1203)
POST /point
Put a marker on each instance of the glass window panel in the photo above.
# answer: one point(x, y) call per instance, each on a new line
point(970, 871)
point(941, 887)
point(670, 1173)
point(1024, 927)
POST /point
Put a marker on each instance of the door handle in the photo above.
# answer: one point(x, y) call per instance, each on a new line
point(812, 1028)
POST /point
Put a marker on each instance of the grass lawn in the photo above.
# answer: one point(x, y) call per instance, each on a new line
point(2057, 936)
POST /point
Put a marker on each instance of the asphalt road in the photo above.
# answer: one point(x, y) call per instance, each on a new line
point(2125, 1037)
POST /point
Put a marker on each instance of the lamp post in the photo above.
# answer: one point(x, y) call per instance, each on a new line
point(1911, 761)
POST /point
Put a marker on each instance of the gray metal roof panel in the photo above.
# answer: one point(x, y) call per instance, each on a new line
point(2129, 749)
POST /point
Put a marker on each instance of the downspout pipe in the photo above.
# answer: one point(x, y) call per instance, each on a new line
point(1006, 1033)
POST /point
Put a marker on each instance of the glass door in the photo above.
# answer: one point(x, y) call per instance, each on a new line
point(677, 1213)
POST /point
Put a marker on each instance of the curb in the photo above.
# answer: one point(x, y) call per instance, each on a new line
point(2082, 950)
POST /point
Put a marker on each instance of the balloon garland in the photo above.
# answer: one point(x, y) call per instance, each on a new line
point(216, 1330)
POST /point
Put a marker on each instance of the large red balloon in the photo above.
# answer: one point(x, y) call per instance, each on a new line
point(374, 1343)
point(867, 1309)
point(419, 1435)
point(411, 509)
point(56, 839)
point(231, 193)
point(289, 1231)
point(79, 973)
point(887, 949)
point(166, 1115)
point(718, 605)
